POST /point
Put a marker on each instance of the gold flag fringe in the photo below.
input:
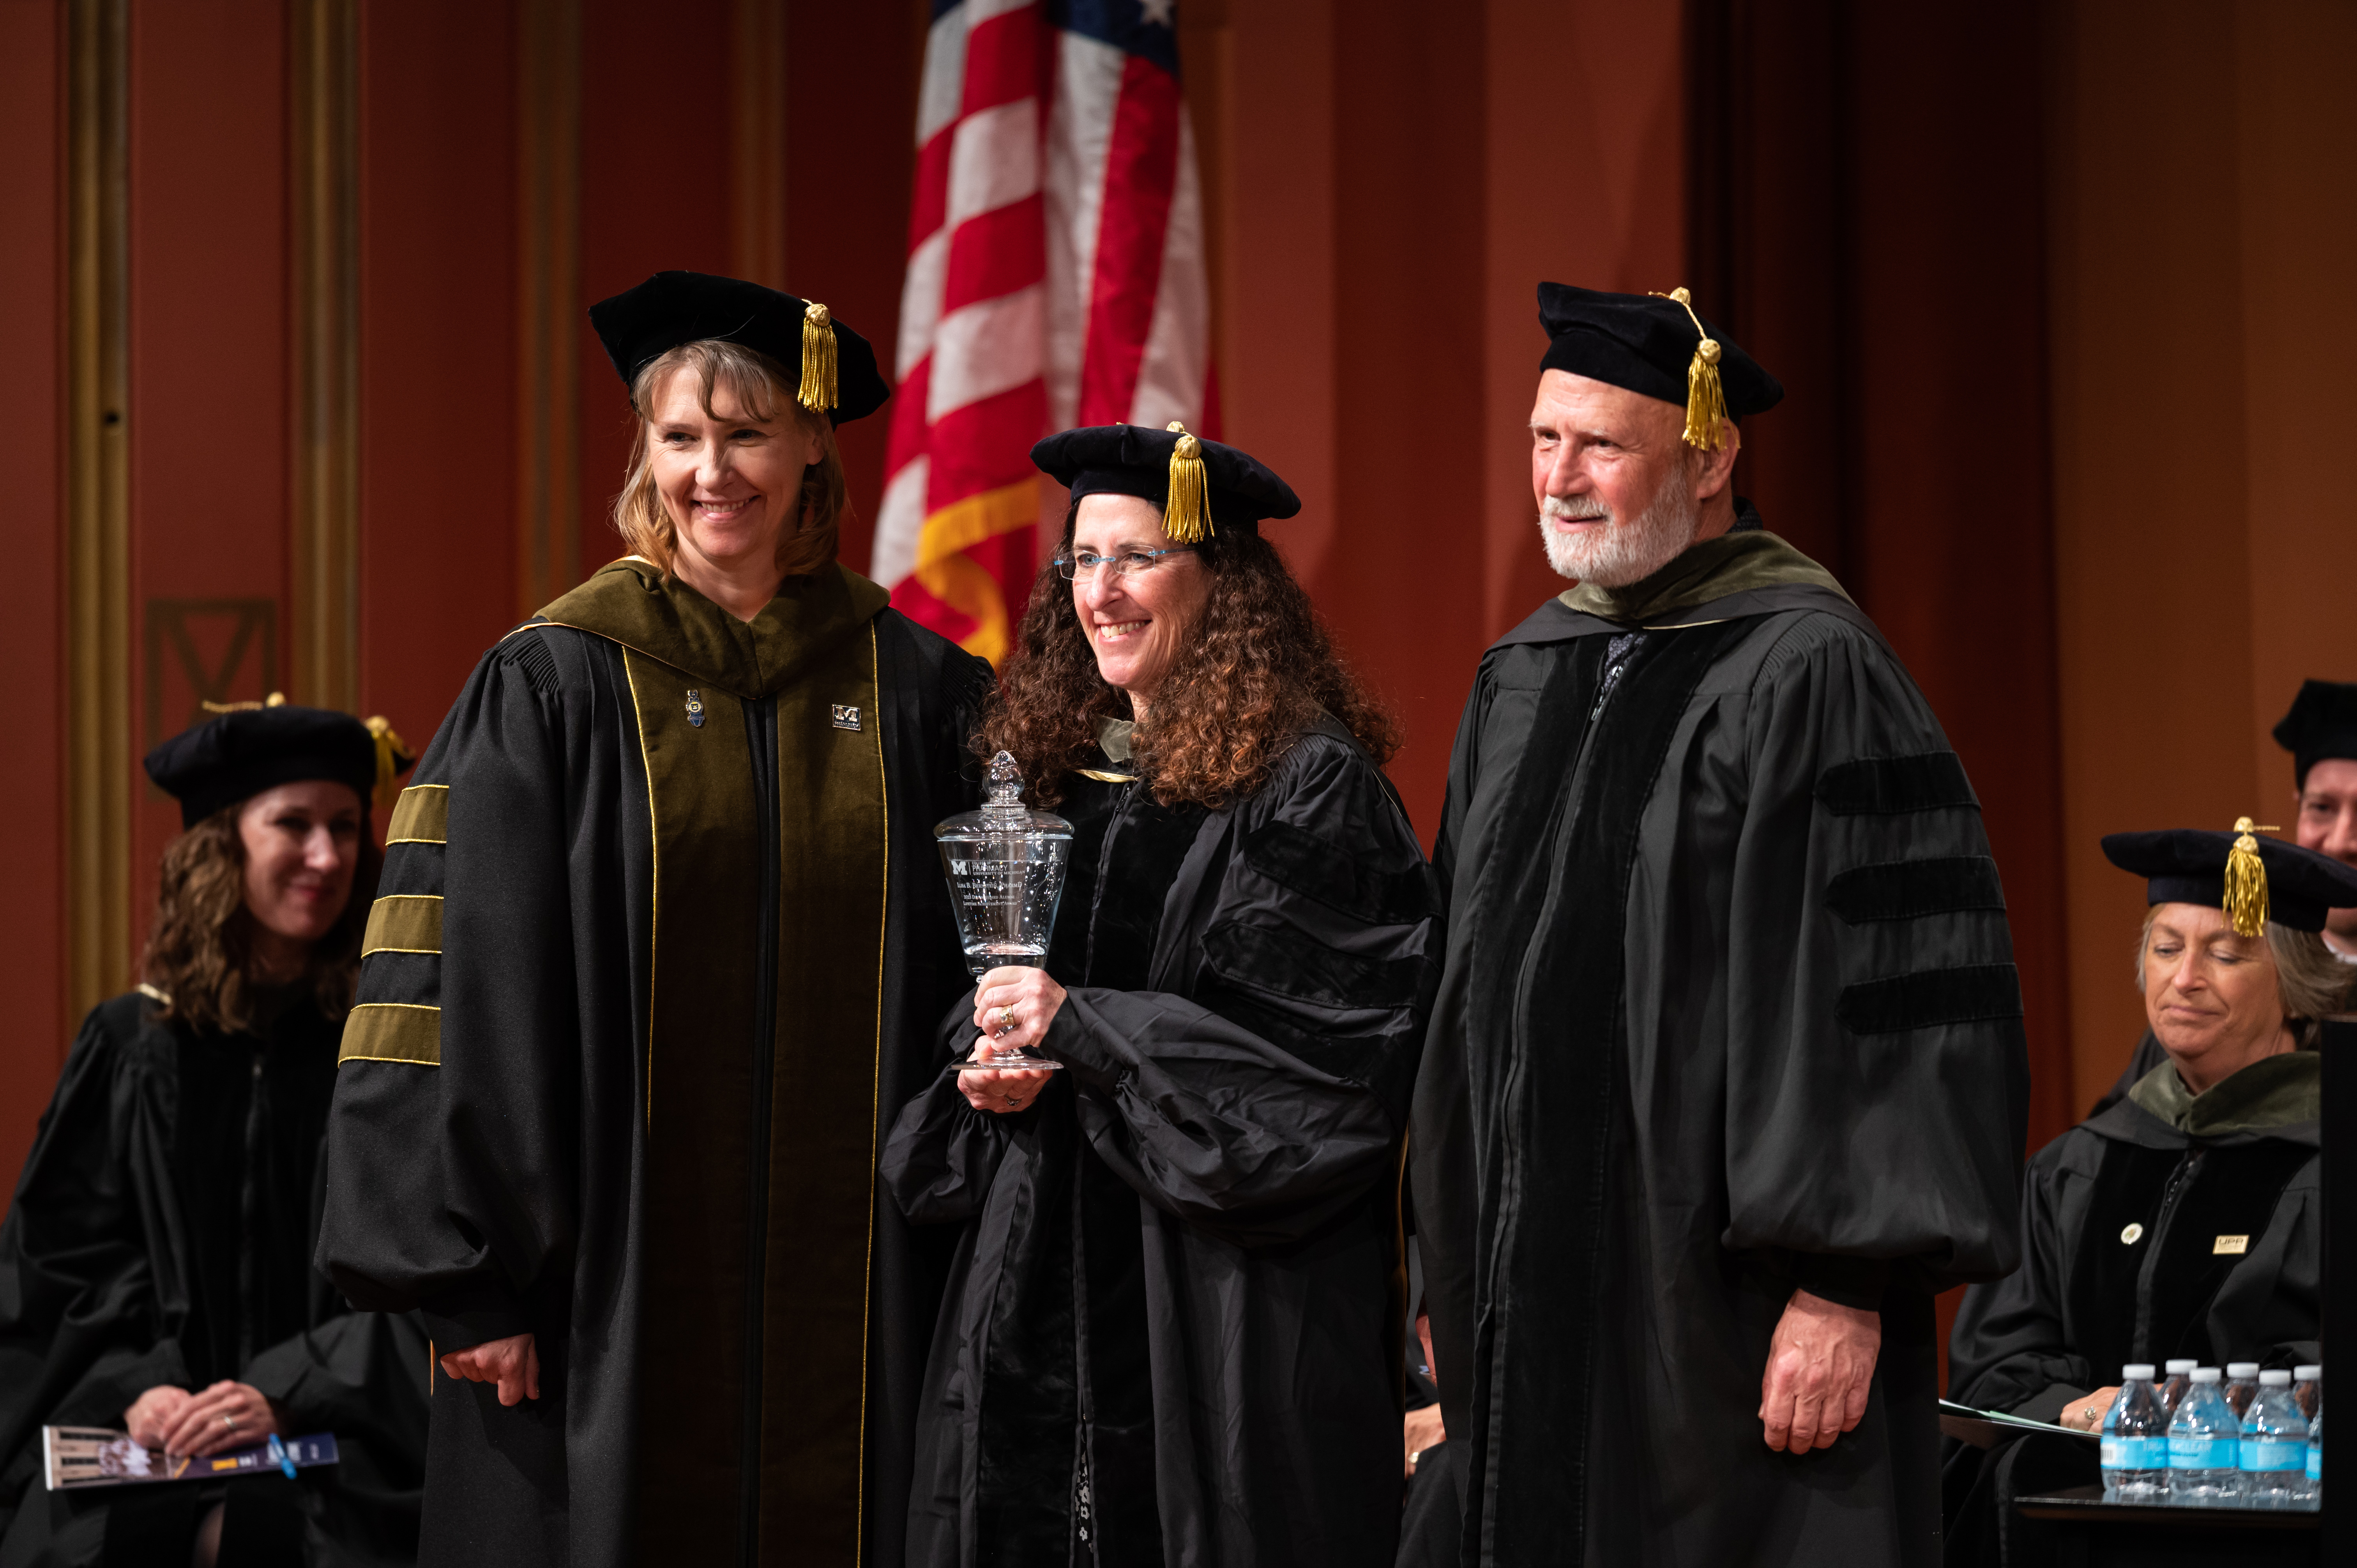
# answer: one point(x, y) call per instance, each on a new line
point(1187, 515)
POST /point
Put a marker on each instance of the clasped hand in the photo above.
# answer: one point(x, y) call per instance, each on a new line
point(1820, 1365)
point(1012, 1007)
point(227, 1415)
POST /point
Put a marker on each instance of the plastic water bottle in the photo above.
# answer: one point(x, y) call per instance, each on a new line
point(2275, 1445)
point(2241, 1383)
point(2205, 1448)
point(2136, 1440)
point(2179, 1378)
point(2313, 1498)
point(2307, 1388)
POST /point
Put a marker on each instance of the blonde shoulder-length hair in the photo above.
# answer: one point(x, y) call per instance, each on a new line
point(759, 387)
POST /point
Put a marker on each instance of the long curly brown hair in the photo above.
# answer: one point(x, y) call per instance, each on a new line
point(1248, 679)
point(200, 949)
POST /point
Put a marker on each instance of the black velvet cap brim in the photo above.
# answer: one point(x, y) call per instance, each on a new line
point(2322, 726)
point(1645, 344)
point(2188, 866)
point(670, 309)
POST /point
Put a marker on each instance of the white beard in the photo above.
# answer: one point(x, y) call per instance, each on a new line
point(1621, 553)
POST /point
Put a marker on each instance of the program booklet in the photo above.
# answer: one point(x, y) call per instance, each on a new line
point(79, 1457)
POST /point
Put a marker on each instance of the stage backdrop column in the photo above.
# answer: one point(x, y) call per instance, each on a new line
point(1861, 205)
point(1586, 175)
point(211, 454)
point(1397, 578)
point(448, 498)
point(841, 176)
point(2205, 539)
point(1271, 173)
point(36, 1007)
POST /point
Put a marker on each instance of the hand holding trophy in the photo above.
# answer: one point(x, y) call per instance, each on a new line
point(1006, 868)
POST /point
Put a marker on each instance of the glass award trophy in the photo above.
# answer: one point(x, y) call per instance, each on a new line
point(1005, 866)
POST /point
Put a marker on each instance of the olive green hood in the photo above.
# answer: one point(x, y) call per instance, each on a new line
point(632, 602)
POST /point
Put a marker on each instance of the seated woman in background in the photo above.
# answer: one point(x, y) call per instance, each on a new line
point(2183, 1221)
point(155, 1263)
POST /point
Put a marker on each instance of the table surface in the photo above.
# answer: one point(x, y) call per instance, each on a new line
point(2086, 1505)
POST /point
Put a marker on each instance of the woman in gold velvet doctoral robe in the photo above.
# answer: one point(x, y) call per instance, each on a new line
point(663, 935)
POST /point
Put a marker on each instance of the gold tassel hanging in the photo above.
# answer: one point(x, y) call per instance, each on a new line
point(818, 387)
point(2247, 881)
point(1706, 399)
point(1187, 515)
point(393, 755)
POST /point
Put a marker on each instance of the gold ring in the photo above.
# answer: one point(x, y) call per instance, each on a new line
point(1006, 1016)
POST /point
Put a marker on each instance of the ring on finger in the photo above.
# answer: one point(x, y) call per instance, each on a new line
point(1007, 1017)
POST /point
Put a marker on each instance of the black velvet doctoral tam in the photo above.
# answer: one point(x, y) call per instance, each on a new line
point(2188, 866)
point(1134, 460)
point(2322, 725)
point(1644, 342)
point(239, 753)
point(671, 309)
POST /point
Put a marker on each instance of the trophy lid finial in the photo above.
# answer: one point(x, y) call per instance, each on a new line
point(1006, 780)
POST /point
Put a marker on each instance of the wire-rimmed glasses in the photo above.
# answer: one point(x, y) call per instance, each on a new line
point(1085, 564)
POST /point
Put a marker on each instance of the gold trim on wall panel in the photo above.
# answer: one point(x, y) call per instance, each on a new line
point(323, 167)
point(548, 300)
point(758, 108)
point(98, 538)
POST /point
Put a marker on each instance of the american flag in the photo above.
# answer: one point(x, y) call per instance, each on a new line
point(1055, 278)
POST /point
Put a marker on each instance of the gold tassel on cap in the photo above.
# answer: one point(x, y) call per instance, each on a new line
point(1187, 515)
point(2247, 881)
point(818, 389)
point(1705, 399)
point(393, 755)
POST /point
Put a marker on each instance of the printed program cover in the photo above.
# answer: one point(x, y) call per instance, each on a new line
point(80, 1457)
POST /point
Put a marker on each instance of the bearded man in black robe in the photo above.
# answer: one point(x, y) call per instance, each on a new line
point(1727, 1077)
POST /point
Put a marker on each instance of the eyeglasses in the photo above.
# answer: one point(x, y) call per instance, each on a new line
point(1085, 564)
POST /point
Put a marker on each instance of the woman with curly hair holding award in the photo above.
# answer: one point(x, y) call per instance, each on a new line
point(1172, 1334)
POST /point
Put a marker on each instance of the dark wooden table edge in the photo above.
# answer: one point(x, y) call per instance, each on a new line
point(2087, 1504)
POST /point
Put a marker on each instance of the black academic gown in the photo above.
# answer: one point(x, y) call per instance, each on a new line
point(2122, 1220)
point(161, 1234)
point(662, 943)
point(1174, 1331)
point(1729, 1011)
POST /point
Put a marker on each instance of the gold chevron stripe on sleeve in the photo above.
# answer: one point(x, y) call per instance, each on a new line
point(403, 922)
point(421, 815)
point(392, 1031)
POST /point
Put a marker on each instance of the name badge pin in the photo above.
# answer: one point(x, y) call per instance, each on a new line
point(696, 707)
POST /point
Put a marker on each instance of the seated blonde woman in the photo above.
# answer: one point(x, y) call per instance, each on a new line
point(2184, 1220)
